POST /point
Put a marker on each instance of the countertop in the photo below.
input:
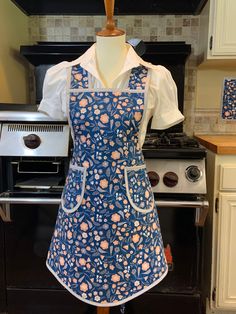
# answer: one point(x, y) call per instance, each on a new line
point(220, 144)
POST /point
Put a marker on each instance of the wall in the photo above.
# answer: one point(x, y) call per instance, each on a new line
point(209, 90)
point(202, 86)
point(13, 69)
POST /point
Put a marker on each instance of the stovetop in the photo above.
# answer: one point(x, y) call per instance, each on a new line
point(172, 145)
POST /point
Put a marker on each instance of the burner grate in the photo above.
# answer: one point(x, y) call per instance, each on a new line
point(170, 140)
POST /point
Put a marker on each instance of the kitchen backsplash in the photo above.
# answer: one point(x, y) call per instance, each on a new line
point(148, 28)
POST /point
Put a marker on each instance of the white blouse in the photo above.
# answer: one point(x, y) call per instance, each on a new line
point(160, 99)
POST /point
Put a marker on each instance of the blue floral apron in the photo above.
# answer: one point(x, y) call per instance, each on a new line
point(107, 246)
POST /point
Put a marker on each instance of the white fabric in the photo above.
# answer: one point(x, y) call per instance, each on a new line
point(161, 98)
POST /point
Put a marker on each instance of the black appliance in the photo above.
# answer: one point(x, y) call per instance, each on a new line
point(33, 176)
point(122, 7)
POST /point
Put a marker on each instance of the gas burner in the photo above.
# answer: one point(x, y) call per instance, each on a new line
point(169, 140)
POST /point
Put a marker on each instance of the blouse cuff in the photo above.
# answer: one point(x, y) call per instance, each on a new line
point(167, 120)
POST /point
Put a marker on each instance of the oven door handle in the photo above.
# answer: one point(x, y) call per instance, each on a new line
point(6, 201)
point(181, 203)
point(201, 206)
point(29, 200)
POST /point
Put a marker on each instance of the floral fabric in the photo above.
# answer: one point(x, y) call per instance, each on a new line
point(105, 250)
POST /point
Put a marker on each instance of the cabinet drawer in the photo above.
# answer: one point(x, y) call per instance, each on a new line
point(228, 177)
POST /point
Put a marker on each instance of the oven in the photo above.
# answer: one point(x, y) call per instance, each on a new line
point(176, 169)
point(35, 152)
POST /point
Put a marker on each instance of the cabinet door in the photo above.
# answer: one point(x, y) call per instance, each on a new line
point(226, 253)
point(223, 21)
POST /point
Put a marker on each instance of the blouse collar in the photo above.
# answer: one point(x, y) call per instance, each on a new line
point(88, 61)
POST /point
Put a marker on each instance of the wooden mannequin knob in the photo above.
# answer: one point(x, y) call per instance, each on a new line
point(110, 29)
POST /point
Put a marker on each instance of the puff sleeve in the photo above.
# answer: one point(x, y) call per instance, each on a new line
point(54, 98)
point(165, 112)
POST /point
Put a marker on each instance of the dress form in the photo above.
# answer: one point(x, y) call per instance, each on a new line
point(111, 51)
point(110, 57)
point(111, 48)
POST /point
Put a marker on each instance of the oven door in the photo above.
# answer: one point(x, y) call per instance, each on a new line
point(30, 287)
point(2, 272)
point(180, 290)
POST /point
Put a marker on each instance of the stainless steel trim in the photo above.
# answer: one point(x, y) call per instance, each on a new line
point(180, 203)
point(201, 208)
point(46, 200)
point(29, 200)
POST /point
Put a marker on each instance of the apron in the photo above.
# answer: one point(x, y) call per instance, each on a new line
point(107, 247)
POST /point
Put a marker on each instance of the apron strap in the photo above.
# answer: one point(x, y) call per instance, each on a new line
point(138, 78)
point(79, 77)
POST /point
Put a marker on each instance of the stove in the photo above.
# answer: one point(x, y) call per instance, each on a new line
point(175, 163)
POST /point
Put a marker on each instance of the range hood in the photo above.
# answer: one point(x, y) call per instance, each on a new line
point(122, 7)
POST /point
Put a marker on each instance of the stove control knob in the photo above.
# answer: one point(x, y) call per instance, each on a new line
point(170, 179)
point(193, 173)
point(32, 141)
point(153, 177)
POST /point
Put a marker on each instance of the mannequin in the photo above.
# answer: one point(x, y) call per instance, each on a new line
point(105, 250)
point(111, 49)
point(111, 52)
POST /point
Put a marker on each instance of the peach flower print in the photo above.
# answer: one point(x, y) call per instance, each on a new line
point(115, 278)
point(83, 102)
point(78, 77)
point(145, 266)
point(78, 197)
point(73, 98)
point(135, 238)
point(104, 118)
point(83, 138)
point(84, 287)
point(84, 226)
point(104, 245)
point(154, 225)
point(62, 261)
point(115, 217)
point(137, 116)
point(158, 249)
point(97, 111)
point(69, 234)
point(117, 93)
point(85, 164)
point(82, 261)
point(115, 155)
point(104, 183)
point(136, 283)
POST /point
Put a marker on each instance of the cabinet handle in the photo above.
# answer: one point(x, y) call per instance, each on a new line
point(211, 43)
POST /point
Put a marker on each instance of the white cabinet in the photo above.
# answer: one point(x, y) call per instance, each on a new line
point(226, 252)
point(217, 30)
point(220, 243)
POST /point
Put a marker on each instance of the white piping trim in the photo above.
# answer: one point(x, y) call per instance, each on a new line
point(107, 304)
point(68, 102)
point(144, 106)
point(72, 210)
point(99, 90)
point(126, 169)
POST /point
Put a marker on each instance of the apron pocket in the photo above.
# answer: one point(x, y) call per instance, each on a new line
point(138, 188)
point(73, 190)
